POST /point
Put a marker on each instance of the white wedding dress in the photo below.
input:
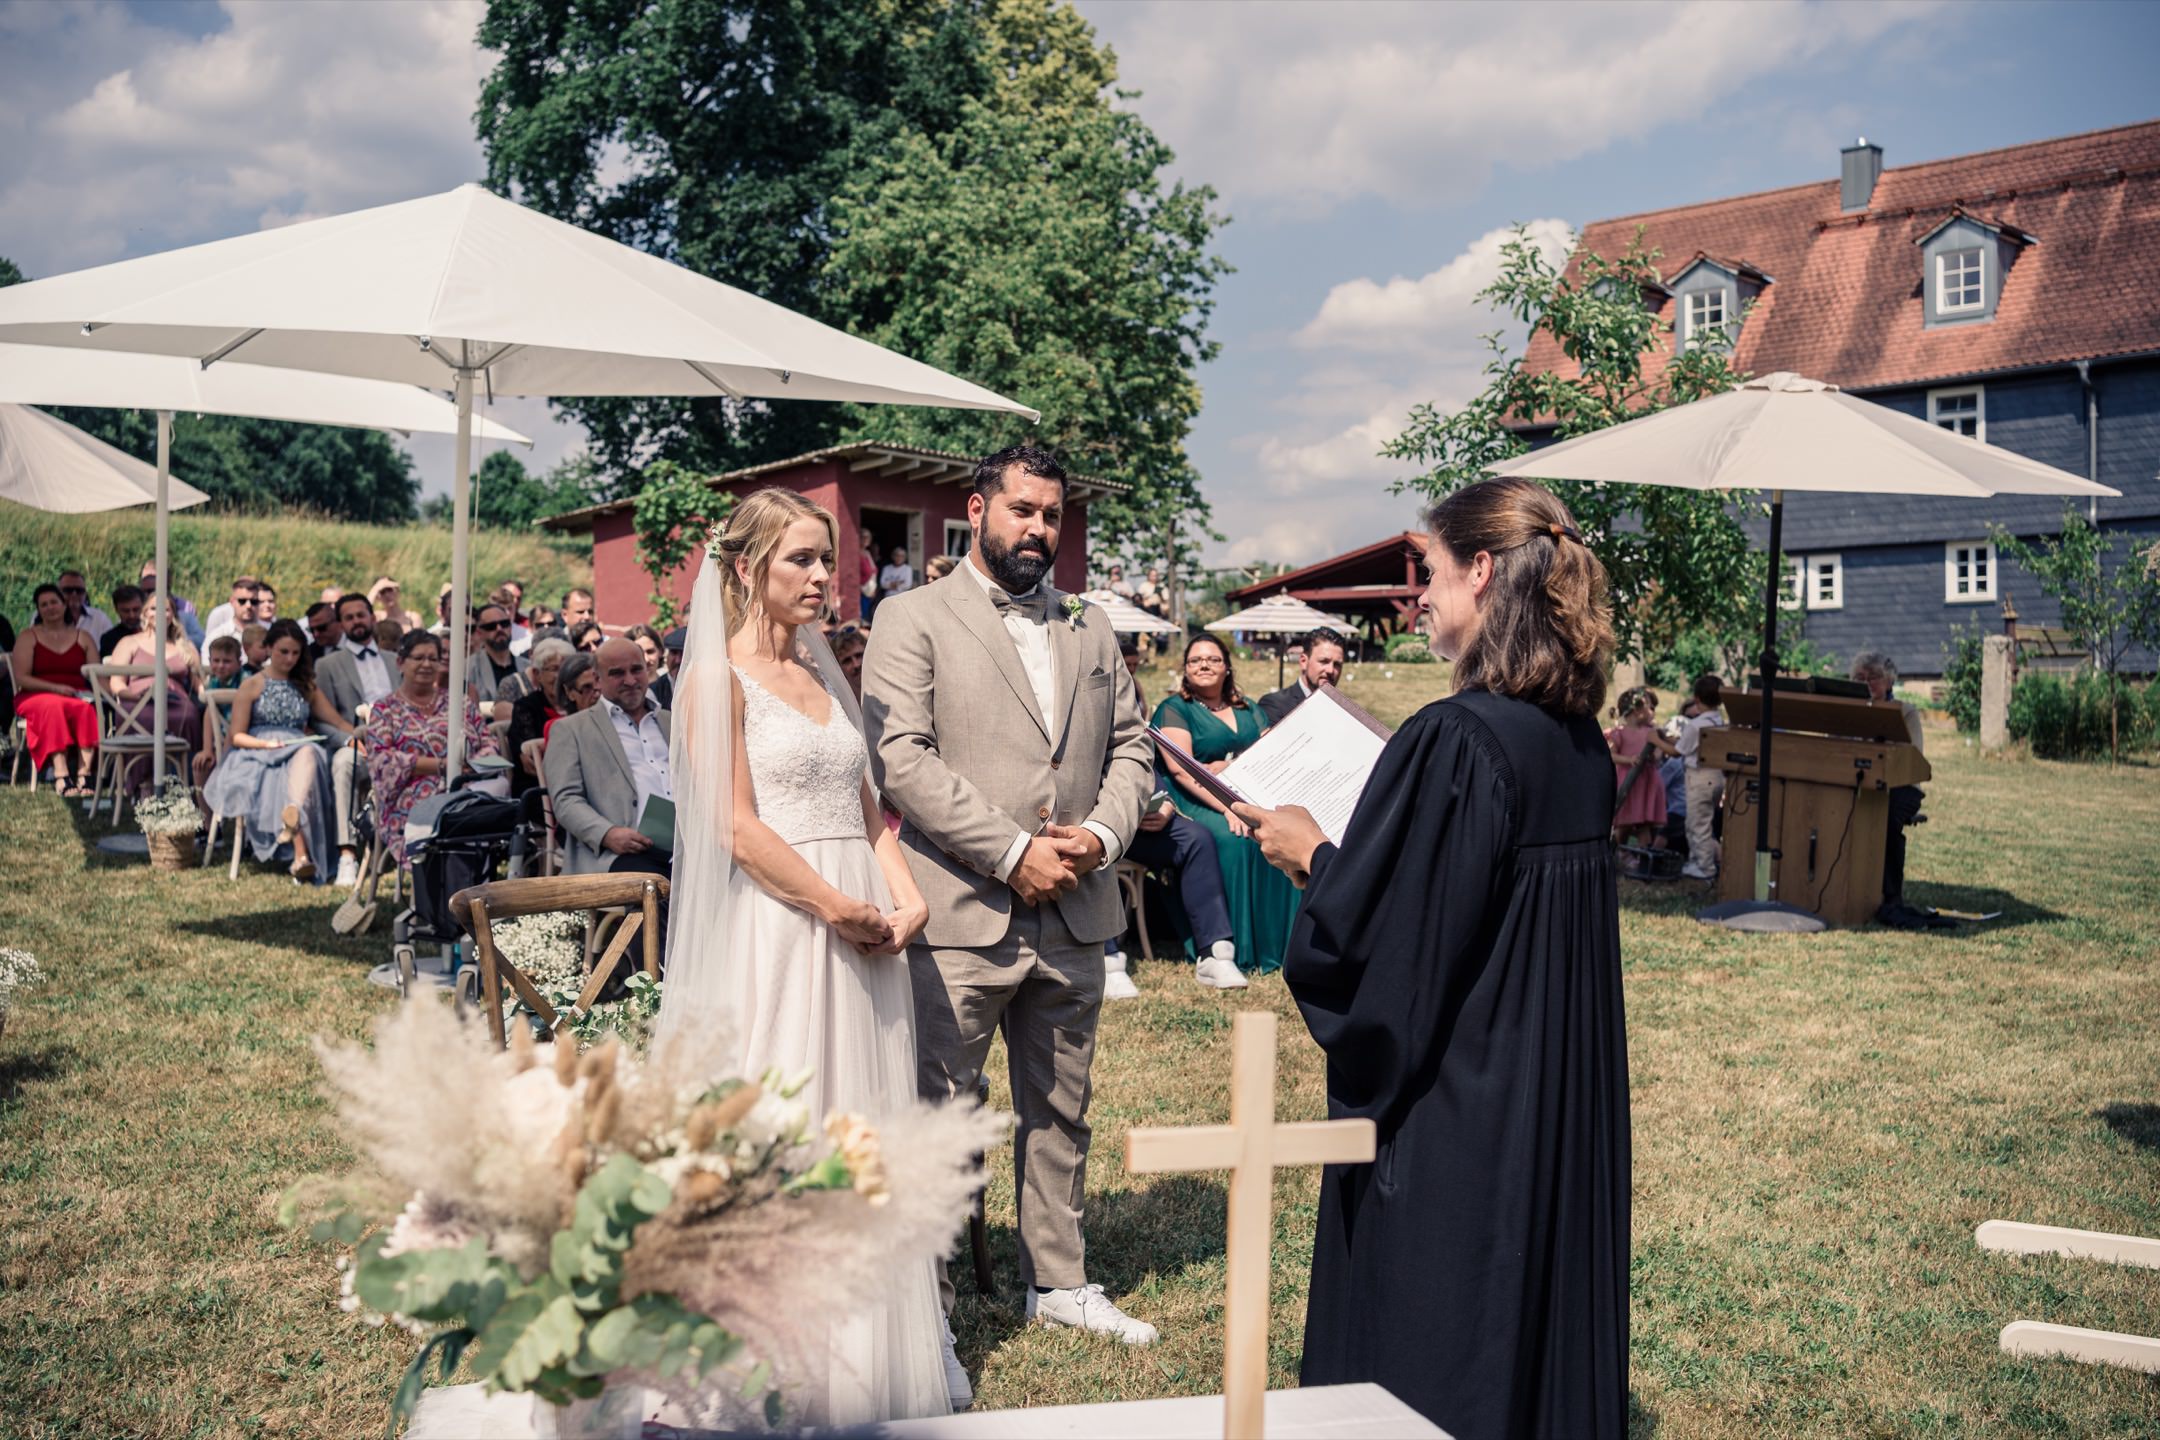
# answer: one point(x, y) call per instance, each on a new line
point(801, 998)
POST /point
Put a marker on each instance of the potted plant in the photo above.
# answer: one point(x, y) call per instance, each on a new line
point(169, 822)
point(18, 971)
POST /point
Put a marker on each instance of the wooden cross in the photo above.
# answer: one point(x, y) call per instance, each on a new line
point(1250, 1147)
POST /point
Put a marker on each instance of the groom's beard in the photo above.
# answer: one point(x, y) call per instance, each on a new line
point(1018, 568)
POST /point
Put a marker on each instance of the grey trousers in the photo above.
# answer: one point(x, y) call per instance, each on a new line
point(1046, 989)
point(348, 777)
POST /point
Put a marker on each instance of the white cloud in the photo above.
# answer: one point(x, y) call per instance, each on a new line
point(1437, 309)
point(1298, 107)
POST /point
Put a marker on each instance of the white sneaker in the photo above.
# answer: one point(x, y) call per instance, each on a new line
point(1218, 968)
point(957, 1388)
point(1689, 871)
point(348, 871)
point(1117, 983)
point(1087, 1308)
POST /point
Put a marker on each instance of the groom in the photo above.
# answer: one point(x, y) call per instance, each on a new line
point(1004, 726)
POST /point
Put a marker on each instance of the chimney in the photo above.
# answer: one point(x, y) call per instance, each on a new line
point(1862, 168)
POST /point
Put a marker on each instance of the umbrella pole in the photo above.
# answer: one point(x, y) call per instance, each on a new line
point(164, 602)
point(460, 579)
point(1764, 881)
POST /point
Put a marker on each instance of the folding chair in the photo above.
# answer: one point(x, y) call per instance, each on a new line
point(639, 896)
point(126, 731)
point(217, 726)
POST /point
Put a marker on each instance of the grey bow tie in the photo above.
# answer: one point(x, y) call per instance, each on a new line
point(1035, 604)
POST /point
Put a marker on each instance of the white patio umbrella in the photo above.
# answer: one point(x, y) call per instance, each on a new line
point(47, 375)
point(468, 289)
point(1127, 618)
point(1781, 432)
point(1279, 615)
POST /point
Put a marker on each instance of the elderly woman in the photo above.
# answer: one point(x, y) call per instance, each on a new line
point(409, 737)
point(275, 776)
point(52, 693)
point(1879, 673)
point(183, 677)
point(531, 714)
point(576, 688)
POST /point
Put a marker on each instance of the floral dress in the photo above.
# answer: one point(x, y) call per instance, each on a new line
point(400, 734)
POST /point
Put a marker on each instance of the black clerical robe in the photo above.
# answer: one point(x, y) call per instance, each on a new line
point(1459, 961)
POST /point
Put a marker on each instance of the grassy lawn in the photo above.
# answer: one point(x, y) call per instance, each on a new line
point(1819, 1124)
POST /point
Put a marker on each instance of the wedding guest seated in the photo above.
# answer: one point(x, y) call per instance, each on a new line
point(1321, 664)
point(52, 693)
point(383, 598)
point(388, 633)
point(265, 602)
point(408, 737)
point(221, 663)
point(647, 639)
point(671, 650)
point(183, 677)
point(323, 627)
point(494, 677)
point(533, 712)
point(604, 763)
point(183, 610)
point(848, 647)
point(577, 689)
point(1212, 720)
point(127, 619)
point(356, 672)
point(235, 614)
point(76, 592)
point(254, 649)
point(587, 636)
point(275, 776)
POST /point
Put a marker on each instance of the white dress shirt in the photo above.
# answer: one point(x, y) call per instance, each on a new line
point(373, 667)
point(645, 748)
point(220, 623)
point(1031, 638)
point(1690, 742)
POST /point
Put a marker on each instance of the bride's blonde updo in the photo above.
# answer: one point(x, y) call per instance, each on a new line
point(750, 534)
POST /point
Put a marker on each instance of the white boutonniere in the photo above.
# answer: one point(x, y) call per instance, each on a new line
point(1073, 606)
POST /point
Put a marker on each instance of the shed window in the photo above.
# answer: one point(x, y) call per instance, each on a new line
point(1968, 571)
point(1958, 286)
point(957, 535)
point(1826, 582)
point(1962, 412)
point(1705, 318)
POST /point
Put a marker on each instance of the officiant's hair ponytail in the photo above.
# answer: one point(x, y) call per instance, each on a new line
point(752, 531)
point(1546, 631)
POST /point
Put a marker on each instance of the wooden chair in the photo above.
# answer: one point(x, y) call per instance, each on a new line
point(2091, 1347)
point(638, 896)
point(18, 731)
point(531, 753)
point(217, 736)
point(126, 732)
point(1132, 885)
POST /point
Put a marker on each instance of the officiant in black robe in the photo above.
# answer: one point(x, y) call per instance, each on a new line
point(1459, 961)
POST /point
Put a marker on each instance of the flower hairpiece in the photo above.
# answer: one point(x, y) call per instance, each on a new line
point(712, 540)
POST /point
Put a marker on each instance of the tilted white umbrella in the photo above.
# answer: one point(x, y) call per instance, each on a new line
point(1127, 618)
point(467, 289)
point(1782, 432)
point(48, 464)
point(48, 375)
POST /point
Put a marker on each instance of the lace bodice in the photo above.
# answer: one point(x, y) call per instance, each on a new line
point(280, 707)
point(808, 776)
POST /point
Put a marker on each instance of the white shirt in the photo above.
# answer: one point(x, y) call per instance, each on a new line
point(1690, 742)
point(894, 579)
point(645, 748)
point(220, 623)
point(374, 669)
point(94, 622)
point(1031, 638)
point(520, 639)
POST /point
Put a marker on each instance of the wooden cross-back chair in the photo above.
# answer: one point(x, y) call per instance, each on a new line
point(217, 737)
point(127, 732)
point(635, 899)
point(18, 730)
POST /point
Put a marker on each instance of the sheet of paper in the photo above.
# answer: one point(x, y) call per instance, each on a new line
point(1319, 757)
point(656, 822)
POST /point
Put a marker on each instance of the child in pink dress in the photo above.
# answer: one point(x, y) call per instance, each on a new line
point(1636, 745)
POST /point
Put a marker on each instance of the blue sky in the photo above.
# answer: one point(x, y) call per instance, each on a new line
point(1369, 154)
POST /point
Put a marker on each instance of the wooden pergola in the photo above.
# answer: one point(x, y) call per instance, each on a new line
point(1375, 585)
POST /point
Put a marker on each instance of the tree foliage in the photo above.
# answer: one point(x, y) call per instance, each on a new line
point(672, 514)
point(1679, 559)
point(948, 177)
point(2110, 609)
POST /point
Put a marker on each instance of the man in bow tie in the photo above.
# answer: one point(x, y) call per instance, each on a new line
point(1004, 728)
point(352, 672)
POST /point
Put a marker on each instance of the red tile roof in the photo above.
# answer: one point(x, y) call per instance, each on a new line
point(1845, 302)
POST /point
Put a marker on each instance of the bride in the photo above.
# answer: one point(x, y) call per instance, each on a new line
point(792, 906)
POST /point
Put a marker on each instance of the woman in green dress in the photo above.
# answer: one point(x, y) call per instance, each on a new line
point(1210, 719)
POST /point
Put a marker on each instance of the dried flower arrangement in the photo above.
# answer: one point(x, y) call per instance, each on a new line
point(171, 811)
point(18, 971)
point(586, 1221)
point(548, 948)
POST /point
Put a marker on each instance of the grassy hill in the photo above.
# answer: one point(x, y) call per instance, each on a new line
point(297, 552)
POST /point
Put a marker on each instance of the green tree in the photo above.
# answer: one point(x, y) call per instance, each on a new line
point(672, 513)
point(1036, 248)
point(507, 496)
point(1679, 559)
point(10, 273)
point(2112, 609)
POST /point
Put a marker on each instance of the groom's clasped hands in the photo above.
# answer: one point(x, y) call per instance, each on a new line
point(1054, 861)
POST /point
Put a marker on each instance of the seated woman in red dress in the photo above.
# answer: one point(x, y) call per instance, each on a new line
point(51, 694)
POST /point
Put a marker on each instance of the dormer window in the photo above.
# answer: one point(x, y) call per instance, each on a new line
point(1710, 296)
point(1959, 280)
point(1705, 317)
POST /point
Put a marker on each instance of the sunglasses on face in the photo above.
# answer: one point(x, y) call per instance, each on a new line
point(492, 625)
point(73, 590)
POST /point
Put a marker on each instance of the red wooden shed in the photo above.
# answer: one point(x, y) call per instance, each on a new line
point(1376, 584)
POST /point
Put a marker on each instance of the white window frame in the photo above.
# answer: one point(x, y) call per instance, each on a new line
point(1819, 568)
point(1792, 591)
point(1943, 282)
point(1979, 398)
point(1696, 324)
point(966, 535)
point(1979, 590)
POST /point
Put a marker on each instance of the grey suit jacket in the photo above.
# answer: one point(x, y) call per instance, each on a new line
point(589, 783)
point(337, 675)
point(959, 748)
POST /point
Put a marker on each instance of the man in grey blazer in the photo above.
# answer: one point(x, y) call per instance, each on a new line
point(1004, 728)
point(352, 672)
point(603, 762)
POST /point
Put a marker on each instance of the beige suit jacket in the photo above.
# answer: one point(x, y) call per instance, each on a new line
point(590, 786)
point(959, 748)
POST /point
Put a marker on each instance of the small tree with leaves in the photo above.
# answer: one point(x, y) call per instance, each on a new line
point(2111, 610)
point(671, 514)
point(1679, 559)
